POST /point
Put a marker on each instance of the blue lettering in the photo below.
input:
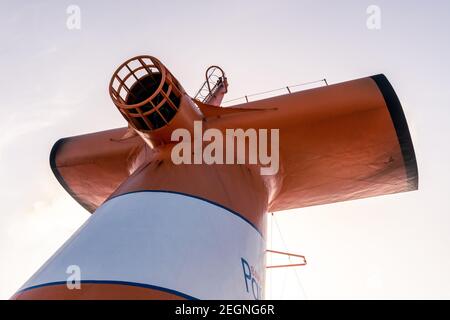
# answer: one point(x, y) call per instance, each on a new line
point(247, 272)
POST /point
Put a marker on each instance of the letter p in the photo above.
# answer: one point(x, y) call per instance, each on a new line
point(247, 272)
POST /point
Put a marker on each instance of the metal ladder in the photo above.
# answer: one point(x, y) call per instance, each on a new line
point(215, 79)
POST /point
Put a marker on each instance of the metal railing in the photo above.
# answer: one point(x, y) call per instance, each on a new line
point(289, 89)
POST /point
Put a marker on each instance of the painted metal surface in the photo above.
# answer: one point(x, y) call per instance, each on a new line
point(163, 241)
point(339, 142)
point(165, 231)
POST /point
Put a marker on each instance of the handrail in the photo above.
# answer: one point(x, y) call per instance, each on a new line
point(289, 255)
point(211, 84)
point(288, 88)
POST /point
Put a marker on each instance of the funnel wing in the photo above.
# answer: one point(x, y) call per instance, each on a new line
point(90, 167)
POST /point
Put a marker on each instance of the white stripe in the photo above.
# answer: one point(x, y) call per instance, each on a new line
point(164, 239)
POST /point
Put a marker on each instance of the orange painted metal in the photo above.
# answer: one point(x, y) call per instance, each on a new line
point(336, 143)
point(339, 142)
point(91, 167)
point(140, 88)
point(236, 187)
point(289, 255)
point(95, 291)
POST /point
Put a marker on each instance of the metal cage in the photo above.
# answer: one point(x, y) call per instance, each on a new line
point(145, 92)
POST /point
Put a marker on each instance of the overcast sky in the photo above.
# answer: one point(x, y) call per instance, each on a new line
point(54, 80)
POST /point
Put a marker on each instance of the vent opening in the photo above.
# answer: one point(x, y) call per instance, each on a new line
point(145, 92)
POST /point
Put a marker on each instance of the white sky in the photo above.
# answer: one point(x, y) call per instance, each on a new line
point(54, 84)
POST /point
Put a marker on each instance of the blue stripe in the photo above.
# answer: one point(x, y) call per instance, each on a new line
point(124, 283)
point(195, 197)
